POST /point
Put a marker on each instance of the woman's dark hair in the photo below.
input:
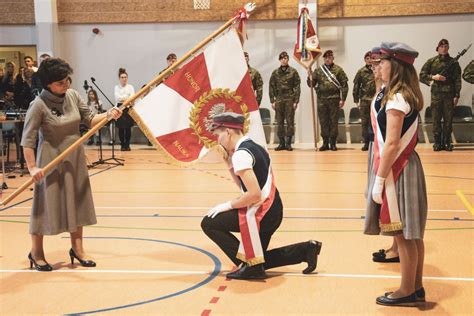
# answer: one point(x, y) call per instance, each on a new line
point(95, 95)
point(122, 71)
point(52, 70)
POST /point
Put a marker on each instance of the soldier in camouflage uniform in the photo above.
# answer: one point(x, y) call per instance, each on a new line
point(468, 73)
point(284, 97)
point(332, 94)
point(445, 89)
point(363, 93)
point(257, 82)
point(170, 60)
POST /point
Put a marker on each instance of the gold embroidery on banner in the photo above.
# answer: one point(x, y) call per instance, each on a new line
point(180, 148)
point(192, 82)
point(205, 98)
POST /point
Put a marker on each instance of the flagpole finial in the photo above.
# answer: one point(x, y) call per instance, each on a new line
point(250, 6)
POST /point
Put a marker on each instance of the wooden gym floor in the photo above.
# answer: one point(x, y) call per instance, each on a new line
point(154, 259)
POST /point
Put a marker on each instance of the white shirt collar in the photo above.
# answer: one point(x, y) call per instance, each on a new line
point(240, 141)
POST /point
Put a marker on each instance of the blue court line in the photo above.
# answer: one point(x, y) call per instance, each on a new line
point(214, 273)
point(285, 217)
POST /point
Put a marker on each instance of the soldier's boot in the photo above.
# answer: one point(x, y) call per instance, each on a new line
point(332, 144)
point(282, 145)
point(366, 146)
point(437, 146)
point(325, 145)
point(288, 144)
point(447, 143)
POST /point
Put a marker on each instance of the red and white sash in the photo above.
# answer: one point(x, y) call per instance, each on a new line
point(250, 248)
point(389, 213)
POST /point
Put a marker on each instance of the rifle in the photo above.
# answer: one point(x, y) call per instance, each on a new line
point(454, 60)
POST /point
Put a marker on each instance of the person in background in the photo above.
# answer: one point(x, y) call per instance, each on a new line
point(363, 93)
point(284, 89)
point(122, 92)
point(29, 63)
point(257, 82)
point(445, 91)
point(95, 105)
point(330, 83)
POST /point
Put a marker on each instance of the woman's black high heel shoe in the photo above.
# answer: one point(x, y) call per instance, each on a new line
point(84, 263)
point(42, 268)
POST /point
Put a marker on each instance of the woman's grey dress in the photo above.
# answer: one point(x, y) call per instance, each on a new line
point(62, 201)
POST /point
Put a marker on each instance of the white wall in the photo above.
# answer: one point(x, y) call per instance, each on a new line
point(142, 48)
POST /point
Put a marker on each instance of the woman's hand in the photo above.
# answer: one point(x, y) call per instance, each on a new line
point(114, 113)
point(36, 173)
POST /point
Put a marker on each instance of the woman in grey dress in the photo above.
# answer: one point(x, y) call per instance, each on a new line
point(397, 189)
point(62, 199)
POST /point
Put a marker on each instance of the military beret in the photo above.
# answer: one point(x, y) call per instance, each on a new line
point(227, 119)
point(367, 54)
point(328, 53)
point(399, 51)
point(171, 56)
point(283, 55)
point(442, 42)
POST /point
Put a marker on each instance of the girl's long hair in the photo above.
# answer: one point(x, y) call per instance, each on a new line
point(404, 80)
point(95, 95)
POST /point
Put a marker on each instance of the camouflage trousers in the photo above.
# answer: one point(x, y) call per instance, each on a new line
point(327, 113)
point(442, 107)
point(364, 107)
point(285, 112)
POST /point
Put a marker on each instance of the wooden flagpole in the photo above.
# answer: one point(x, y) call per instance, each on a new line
point(128, 103)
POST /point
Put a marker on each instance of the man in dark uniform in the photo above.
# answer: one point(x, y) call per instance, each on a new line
point(256, 213)
point(445, 89)
point(330, 83)
point(363, 93)
point(284, 96)
point(257, 82)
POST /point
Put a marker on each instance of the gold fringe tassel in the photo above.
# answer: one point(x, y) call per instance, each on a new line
point(250, 262)
point(386, 228)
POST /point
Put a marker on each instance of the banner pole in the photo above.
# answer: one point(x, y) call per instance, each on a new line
point(128, 103)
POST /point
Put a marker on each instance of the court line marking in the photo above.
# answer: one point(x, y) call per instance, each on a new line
point(464, 200)
point(275, 273)
point(200, 208)
point(200, 230)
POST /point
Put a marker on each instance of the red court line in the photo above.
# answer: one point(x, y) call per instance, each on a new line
point(214, 300)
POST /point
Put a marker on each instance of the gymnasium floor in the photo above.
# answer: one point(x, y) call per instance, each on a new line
point(153, 258)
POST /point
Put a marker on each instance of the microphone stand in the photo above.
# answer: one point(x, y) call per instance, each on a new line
point(112, 160)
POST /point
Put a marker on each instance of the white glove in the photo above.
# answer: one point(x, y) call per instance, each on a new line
point(224, 207)
point(377, 190)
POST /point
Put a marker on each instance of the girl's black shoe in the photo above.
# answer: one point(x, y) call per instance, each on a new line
point(84, 263)
point(42, 268)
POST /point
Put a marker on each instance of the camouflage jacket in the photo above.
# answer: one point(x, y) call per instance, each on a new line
point(364, 85)
point(325, 89)
point(468, 73)
point(257, 83)
point(285, 85)
point(435, 66)
point(169, 74)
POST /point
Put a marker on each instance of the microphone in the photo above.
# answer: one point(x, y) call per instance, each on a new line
point(86, 85)
point(93, 79)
